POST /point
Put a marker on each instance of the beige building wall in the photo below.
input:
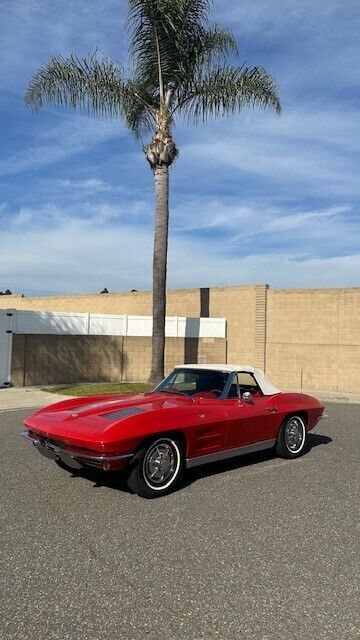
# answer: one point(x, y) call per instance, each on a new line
point(243, 307)
point(131, 303)
point(304, 338)
point(313, 339)
point(180, 302)
point(52, 359)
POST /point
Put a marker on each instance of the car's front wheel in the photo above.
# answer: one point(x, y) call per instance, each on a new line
point(291, 437)
point(157, 467)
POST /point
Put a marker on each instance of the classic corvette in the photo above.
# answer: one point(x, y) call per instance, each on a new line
point(198, 414)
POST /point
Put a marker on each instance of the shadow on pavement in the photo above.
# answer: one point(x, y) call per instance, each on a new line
point(314, 439)
point(117, 481)
point(248, 460)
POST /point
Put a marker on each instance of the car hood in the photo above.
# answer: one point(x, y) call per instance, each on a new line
point(90, 419)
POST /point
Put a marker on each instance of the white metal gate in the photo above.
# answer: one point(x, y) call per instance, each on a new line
point(6, 325)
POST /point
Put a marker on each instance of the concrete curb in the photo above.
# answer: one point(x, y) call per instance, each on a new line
point(27, 397)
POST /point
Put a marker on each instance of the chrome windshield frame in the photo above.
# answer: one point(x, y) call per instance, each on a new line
point(225, 391)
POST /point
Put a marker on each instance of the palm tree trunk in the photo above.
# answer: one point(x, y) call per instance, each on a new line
point(160, 153)
point(161, 176)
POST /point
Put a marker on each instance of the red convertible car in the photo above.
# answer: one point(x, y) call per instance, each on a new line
point(198, 414)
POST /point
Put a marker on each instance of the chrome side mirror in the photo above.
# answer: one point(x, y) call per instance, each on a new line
point(247, 397)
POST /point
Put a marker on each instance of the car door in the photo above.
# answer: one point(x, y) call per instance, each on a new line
point(249, 422)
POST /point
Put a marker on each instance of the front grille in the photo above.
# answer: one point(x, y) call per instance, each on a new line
point(64, 446)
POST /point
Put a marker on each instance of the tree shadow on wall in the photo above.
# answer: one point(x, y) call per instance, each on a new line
point(192, 333)
point(62, 360)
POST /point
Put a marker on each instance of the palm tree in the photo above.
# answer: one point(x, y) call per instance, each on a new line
point(180, 68)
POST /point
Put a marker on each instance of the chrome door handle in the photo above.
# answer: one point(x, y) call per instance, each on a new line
point(271, 409)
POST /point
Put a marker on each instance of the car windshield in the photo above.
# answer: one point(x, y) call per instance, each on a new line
point(192, 382)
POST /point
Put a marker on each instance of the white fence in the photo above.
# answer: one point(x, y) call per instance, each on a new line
point(26, 322)
point(62, 323)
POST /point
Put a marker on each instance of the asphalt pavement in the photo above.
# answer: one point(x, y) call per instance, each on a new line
point(256, 549)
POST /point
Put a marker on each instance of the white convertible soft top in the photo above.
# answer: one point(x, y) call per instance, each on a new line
point(267, 388)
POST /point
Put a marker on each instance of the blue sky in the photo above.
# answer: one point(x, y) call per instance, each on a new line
point(254, 198)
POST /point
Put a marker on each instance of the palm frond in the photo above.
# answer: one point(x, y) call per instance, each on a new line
point(226, 90)
point(139, 107)
point(179, 64)
point(206, 49)
point(92, 85)
point(217, 43)
point(165, 36)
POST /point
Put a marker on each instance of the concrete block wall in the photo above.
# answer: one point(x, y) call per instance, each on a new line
point(137, 354)
point(244, 309)
point(313, 339)
point(242, 306)
point(303, 338)
point(54, 359)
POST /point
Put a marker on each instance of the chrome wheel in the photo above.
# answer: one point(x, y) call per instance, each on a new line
point(161, 464)
point(295, 434)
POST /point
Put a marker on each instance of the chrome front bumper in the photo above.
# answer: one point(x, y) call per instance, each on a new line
point(73, 457)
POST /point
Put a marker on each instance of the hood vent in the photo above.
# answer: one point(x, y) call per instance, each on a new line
point(124, 413)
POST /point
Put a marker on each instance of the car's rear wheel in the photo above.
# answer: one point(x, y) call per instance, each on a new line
point(157, 467)
point(291, 438)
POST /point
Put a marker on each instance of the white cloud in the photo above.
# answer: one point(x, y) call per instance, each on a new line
point(54, 218)
point(82, 187)
point(285, 16)
point(336, 225)
point(33, 31)
point(69, 138)
point(307, 45)
point(91, 184)
point(298, 152)
point(305, 235)
point(284, 190)
point(80, 254)
point(296, 220)
point(197, 213)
